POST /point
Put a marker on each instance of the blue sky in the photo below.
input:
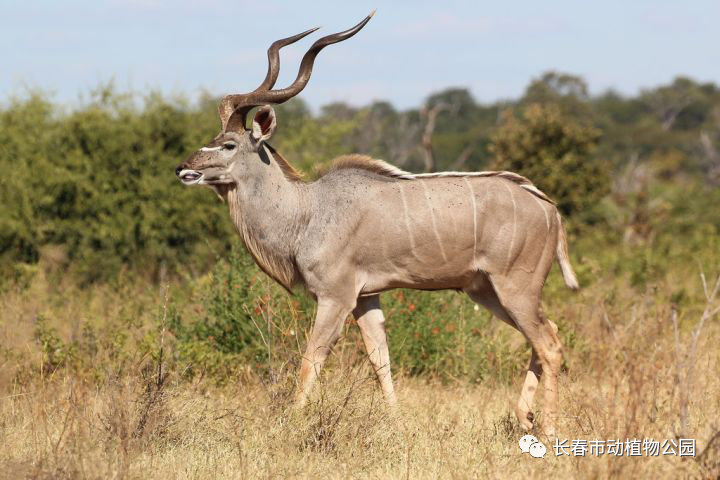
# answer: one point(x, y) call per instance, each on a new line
point(409, 50)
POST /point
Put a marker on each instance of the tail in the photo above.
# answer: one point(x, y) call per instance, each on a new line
point(563, 258)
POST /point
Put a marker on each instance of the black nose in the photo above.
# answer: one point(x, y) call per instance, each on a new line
point(178, 170)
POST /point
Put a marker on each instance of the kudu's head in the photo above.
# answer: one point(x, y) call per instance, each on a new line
point(237, 151)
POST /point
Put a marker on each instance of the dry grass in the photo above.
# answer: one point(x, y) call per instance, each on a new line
point(65, 429)
point(633, 376)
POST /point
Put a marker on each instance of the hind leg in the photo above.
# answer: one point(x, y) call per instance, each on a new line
point(520, 297)
point(371, 321)
point(483, 293)
point(523, 409)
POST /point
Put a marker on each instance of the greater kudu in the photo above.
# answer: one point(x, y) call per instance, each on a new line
point(366, 227)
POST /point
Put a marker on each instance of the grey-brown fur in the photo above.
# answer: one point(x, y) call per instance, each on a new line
point(365, 227)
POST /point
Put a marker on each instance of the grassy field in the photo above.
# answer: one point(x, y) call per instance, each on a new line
point(92, 388)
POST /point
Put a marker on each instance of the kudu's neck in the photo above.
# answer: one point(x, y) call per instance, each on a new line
point(268, 211)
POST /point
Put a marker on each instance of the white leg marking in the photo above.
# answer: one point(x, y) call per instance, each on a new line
point(434, 224)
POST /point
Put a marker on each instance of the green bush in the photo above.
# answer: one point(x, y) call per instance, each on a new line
point(99, 183)
point(443, 335)
point(229, 323)
point(554, 152)
point(56, 353)
point(243, 320)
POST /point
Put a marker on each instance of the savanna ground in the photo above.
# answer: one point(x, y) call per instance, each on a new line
point(106, 382)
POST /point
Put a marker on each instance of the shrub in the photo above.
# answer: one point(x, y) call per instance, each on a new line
point(99, 183)
point(442, 335)
point(554, 152)
point(244, 321)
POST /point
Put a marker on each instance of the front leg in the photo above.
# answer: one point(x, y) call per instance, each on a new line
point(331, 315)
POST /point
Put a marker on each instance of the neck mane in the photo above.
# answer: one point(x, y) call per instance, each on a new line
point(290, 172)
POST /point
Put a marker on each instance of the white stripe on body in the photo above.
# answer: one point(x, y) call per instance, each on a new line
point(407, 222)
point(474, 209)
point(514, 224)
point(434, 223)
point(547, 219)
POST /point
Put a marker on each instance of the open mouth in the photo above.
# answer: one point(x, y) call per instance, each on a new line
point(190, 177)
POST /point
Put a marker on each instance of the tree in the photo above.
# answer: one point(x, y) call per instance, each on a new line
point(429, 115)
point(669, 102)
point(554, 152)
point(568, 92)
point(454, 130)
point(383, 132)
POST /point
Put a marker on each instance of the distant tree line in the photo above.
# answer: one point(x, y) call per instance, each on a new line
point(93, 189)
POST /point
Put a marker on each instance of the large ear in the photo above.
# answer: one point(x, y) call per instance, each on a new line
point(263, 124)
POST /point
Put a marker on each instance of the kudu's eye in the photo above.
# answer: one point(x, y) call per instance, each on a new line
point(229, 146)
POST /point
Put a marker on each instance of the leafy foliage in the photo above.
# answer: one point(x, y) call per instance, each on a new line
point(554, 152)
point(98, 182)
point(242, 319)
point(443, 335)
point(229, 329)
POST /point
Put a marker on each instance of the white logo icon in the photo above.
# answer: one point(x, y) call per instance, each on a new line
point(525, 443)
point(530, 444)
point(537, 450)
